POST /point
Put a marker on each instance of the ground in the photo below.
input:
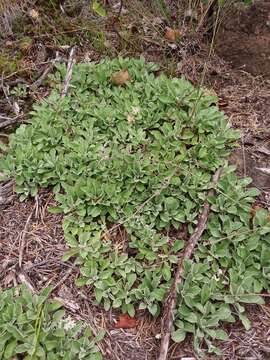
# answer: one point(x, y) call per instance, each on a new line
point(31, 239)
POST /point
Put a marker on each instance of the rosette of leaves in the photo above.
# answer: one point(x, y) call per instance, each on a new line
point(130, 165)
point(33, 327)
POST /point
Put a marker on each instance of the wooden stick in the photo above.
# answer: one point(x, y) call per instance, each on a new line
point(170, 302)
point(71, 62)
point(22, 242)
point(9, 121)
point(6, 192)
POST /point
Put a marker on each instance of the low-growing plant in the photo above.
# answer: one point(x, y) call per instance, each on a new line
point(33, 327)
point(20, 91)
point(130, 163)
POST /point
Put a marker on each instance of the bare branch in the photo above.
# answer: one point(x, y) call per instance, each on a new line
point(71, 62)
point(170, 302)
point(22, 242)
point(6, 193)
point(265, 171)
point(9, 121)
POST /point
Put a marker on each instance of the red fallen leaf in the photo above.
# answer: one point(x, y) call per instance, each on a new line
point(126, 322)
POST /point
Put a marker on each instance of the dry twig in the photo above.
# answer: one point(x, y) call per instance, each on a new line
point(71, 62)
point(22, 242)
point(25, 280)
point(6, 192)
point(170, 301)
point(9, 121)
point(265, 171)
point(64, 278)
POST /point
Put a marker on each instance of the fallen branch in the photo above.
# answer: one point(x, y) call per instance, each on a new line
point(6, 192)
point(25, 280)
point(9, 121)
point(64, 278)
point(265, 171)
point(170, 302)
point(22, 242)
point(71, 62)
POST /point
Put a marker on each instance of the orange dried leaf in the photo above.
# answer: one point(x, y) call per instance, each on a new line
point(254, 209)
point(126, 322)
point(120, 78)
point(172, 34)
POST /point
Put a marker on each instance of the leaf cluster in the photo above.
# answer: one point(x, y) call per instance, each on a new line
point(130, 165)
point(36, 328)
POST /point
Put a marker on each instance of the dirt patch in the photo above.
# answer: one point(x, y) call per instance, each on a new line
point(29, 233)
point(243, 86)
point(254, 343)
point(246, 101)
point(244, 38)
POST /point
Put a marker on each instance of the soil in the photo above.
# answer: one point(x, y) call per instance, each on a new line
point(239, 72)
point(244, 38)
point(244, 42)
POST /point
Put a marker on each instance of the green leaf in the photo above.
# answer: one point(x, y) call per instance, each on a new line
point(130, 310)
point(54, 305)
point(98, 8)
point(12, 329)
point(70, 253)
point(245, 321)
point(98, 294)
point(59, 333)
point(178, 335)
point(100, 336)
point(107, 304)
point(178, 245)
point(58, 315)
point(251, 299)
point(131, 278)
point(55, 209)
point(171, 203)
point(166, 272)
point(159, 294)
point(10, 349)
point(116, 303)
point(95, 211)
point(205, 293)
point(153, 309)
point(260, 217)
point(218, 334)
point(253, 192)
point(22, 348)
point(191, 317)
